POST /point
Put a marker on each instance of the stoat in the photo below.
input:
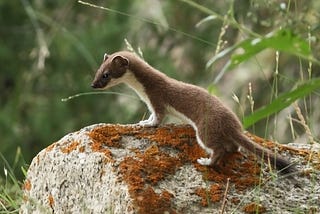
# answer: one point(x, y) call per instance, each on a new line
point(218, 130)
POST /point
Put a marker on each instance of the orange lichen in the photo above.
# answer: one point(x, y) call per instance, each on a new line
point(108, 136)
point(242, 171)
point(38, 159)
point(72, 146)
point(98, 147)
point(212, 194)
point(51, 200)
point(203, 194)
point(216, 192)
point(309, 156)
point(27, 185)
point(148, 167)
point(82, 149)
point(152, 203)
point(49, 148)
point(151, 165)
point(155, 164)
point(254, 208)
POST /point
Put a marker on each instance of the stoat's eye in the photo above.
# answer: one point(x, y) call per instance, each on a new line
point(105, 75)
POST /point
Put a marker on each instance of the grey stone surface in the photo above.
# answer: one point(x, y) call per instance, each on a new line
point(77, 182)
point(68, 177)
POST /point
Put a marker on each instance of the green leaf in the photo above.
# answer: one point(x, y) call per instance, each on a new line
point(282, 102)
point(282, 40)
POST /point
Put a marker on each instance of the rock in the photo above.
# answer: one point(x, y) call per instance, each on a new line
point(129, 169)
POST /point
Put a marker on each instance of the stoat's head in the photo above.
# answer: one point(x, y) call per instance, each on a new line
point(111, 71)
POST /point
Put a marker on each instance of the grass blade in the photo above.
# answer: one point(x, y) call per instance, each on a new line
point(282, 40)
point(282, 102)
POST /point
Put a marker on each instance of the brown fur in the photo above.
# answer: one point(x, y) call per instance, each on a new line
point(218, 129)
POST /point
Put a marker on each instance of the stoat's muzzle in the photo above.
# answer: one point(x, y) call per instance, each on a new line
point(100, 82)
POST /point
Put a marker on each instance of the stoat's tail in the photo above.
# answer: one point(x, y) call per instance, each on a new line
point(282, 164)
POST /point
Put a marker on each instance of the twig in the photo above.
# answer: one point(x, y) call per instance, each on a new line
point(303, 123)
point(224, 202)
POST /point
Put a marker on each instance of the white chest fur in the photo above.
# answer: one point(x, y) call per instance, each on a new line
point(133, 83)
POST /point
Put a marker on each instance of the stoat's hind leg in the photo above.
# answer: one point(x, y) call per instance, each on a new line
point(214, 149)
point(215, 158)
point(204, 161)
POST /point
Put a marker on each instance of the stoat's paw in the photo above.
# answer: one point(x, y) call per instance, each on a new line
point(204, 161)
point(146, 123)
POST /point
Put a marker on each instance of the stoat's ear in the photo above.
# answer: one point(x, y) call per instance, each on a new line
point(120, 61)
point(105, 56)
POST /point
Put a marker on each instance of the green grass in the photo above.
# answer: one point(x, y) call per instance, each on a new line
point(11, 193)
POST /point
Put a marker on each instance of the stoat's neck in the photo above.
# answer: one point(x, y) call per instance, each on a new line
point(148, 76)
point(133, 83)
point(146, 81)
point(130, 80)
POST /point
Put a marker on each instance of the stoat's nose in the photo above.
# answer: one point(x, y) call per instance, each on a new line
point(94, 85)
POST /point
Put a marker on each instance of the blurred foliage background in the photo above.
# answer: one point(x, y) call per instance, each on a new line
point(50, 50)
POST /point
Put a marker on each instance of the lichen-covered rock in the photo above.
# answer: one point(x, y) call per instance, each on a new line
point(130, 169)
point(69, 177)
